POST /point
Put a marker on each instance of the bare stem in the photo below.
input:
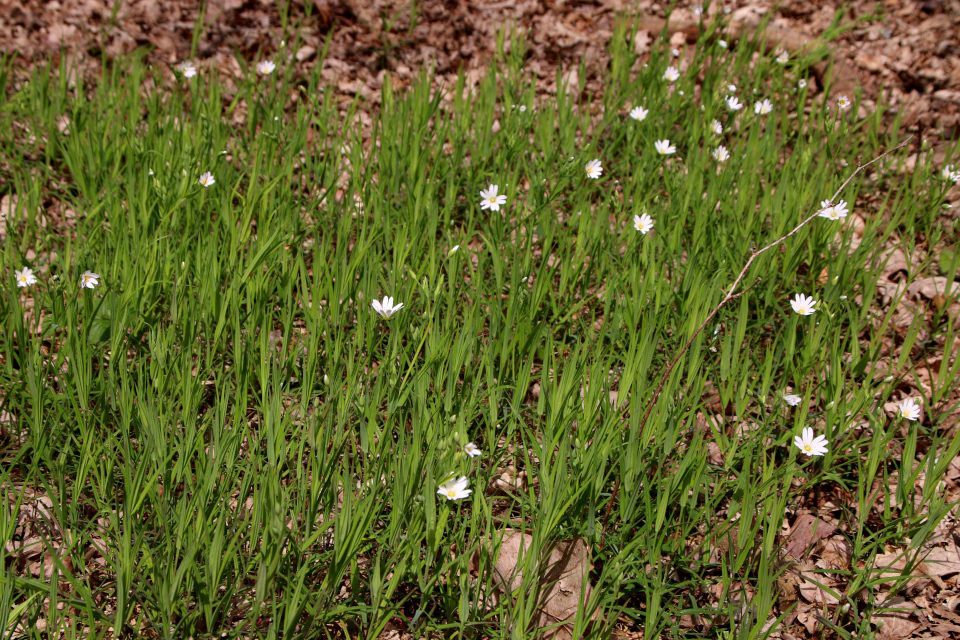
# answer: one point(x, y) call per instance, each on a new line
point(732, 296)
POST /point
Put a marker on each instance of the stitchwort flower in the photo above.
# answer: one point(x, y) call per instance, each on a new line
point(763, 108)
point(89, 279)
point(720, 154)
point(783, 57)
point(843, 102)
point(810, 445)
point(909, 410)
point(207, 179)
point(490, 200)
point(266, 67)
point(25, 277)
point(472, 450)
point(594, 169)
point(803, 305)
point(664, 147)
point(671, 74)
point(643, 223)
point(834, 211)
point(187, 69)
point(455, 489)
point(716, 127)
point(733, 103)
point(639, 113)
point(386, 308)
point(791, 399)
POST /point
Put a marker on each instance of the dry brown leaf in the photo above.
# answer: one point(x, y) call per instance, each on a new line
point(930, 288)
point(896, 624)
point(563, 577)
point(807, 531)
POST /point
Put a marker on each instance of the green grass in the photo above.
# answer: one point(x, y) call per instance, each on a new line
point(233, 442)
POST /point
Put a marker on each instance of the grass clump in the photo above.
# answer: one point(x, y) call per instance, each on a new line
point(233, 430)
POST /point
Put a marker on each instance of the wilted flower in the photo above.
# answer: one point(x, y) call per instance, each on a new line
point(716, 127)
point(207, 179)
point(810, 445)
point(25, 277)
point(639, 113)
point(792, 400)
point(733, 104)
point(187, 69)
point(803, 305)
point(720, 154)
point(843, 102)
point(386, 309)
point(89, 279)
point(455, 489)
point(490, 200)
point(783, 57)
point(802, 84)
point(594, 169)
point(643, 223)
point(664, 147)
point(763, 108)
point(472, 450)
point(266, 67)
point(671, 74)
point(909, 410)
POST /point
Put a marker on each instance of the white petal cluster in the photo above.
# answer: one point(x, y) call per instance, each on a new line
point(490, 200)
point(833, 211)
point(455, 489)
point(810, 445)
point(733, 103)
point(716, 127)
point(720, 154)
point(671, 74)
point(207, 179)
point(386, 308)
point(594, 169)
point(266, 67)
point(804, 305)
point(639, 113)
point(791, 399)
point(643, 223)
point(89, 279)
point(909, 410)
point(762, 108)
point(664, 147)
point(25, 277)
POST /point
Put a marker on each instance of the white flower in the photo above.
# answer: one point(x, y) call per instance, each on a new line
point(834, 212)
point(843, 102)
point(452, 251)
point(671, 74)
point(265, 67)
point(455, 489)
point(716, 127)
point(594, 169)
point(723, 44)
point(803, 305)
point(791, 399)
point(643, 223)
point(89, 279)
point(675, 53)
point(664, 147)
point(523, 108)
point(763, 108)
point(25, 277)
point(783, 57)
point(731, 88)
point(697, 10)
point(639, 113)
point(909, 410)
point(207, 179)
point(733, 104)
point(386, 309)
point(720, 154)
point(490, 200)
point(187, 69)
point(810, 445)
point(472, 450)
point(802, 84)
point(950, 174)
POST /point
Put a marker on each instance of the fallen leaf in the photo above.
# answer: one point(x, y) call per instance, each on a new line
point(896, 624)
point(807, 531)
point(562, 578)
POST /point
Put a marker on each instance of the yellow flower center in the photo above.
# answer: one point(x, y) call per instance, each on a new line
point(807, 448)
point(451, 493)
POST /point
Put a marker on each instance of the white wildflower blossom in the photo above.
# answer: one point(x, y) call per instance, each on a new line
point(809, 445)
point(594, 169)
point(643, 223)
point(386, 309)
point(803, 305)
point(490, 200)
